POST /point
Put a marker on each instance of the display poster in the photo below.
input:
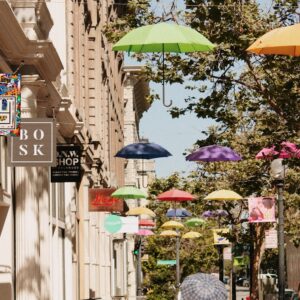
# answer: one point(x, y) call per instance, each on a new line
point(10, 104)
point(261, 209)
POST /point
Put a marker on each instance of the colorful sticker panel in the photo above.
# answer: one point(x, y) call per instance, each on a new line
point(10, 104)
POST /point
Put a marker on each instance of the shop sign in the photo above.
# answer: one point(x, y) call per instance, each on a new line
point(117, 224)
point(10, 104)
point(68, 167)
point(101, 200)
point(112, 223)
point(261, 209)
point(36, 145)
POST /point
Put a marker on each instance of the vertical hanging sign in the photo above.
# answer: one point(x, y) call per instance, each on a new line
point(36, 145)
point(10, 104)
point(68, 168)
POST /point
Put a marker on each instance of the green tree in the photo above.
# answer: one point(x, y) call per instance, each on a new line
point(253, 99)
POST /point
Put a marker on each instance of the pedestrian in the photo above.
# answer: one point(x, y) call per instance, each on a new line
point(201, 286)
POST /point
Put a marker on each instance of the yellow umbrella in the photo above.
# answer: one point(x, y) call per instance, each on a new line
point(223, 195)
point(191, 235)
point(141, 210)
point(283, 40)
point(172, 225)
point(169, 233)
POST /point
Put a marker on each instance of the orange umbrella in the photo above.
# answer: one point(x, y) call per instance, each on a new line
point(283, 41)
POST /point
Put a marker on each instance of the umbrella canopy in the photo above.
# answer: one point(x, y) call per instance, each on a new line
point(208, 214)
point(145, 232)
point(129, 192)
point(223, 195)
point(288, 150)
point(169, 233)
point(283, 40)
point(163, 37)
point(179, 213)
point(141, 210)
point(146, 223)
point(214, 153)
point(175, 195)
point(143, 151)
point(191, 235)
point(194, 222)
point(202, 286)
point(172, 225)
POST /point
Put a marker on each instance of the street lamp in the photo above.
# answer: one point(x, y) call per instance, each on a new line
point(277, 172)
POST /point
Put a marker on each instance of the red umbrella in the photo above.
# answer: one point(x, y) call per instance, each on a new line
point(146, 223)
point(175, 195)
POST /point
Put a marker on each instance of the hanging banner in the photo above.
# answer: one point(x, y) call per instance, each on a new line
point(271, 238)
point(36, 145)
point(117, 224)
point(68, 167)
point(218, 238)
point(10, 104)
point(101, 200)
point(261, 209)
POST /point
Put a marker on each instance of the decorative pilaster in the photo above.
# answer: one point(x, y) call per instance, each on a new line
point(32, 216)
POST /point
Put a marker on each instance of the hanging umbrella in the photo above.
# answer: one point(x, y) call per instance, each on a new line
point(141, 210)
point(282, 41)
point(146, 223)
point(163, 37)
point(214, 153)
point(223, 195)
point(201, 286)
point(143, 151)
point(221, 213)
point(172, 225)
point(208, 214)
point(175, 195)
point(145, 232)
point(195, 222)
point(179, 213)
point(287, 150)
point(191, 235)
point(170, 233)
point(129, 192)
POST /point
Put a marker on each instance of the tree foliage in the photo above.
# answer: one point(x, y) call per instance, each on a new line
point(255, 103)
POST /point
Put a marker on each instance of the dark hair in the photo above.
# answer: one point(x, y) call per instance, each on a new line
point(267, 202)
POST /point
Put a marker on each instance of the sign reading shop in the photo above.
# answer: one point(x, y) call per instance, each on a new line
point(68, 168)
point(36, 145)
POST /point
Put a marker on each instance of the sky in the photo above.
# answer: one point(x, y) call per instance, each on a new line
point(176, 135)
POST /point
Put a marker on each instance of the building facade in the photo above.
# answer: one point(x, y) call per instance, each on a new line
point(52, 247)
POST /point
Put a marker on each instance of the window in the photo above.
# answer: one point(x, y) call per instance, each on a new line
point(57, 209)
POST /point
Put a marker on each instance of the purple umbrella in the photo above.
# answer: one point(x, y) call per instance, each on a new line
point(208, 214)
point(214, 153)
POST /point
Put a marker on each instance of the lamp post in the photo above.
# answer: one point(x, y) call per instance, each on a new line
point(177, 260)
point(278, 172)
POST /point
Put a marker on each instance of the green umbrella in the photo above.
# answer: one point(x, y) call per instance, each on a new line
point(129, 192)
point(194, 222)
point(163, 37)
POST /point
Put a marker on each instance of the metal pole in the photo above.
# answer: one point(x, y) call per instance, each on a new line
point(139, 270)
point(221, 263)
point(281, 271)
point(177, 261)
point(251, 252)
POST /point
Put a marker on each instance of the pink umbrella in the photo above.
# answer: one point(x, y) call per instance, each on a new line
point(145, 232)
point(288, 150)
point(146, 223)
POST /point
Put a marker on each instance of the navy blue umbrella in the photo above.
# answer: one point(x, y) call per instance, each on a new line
point(179, 213)
point(143, 151)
